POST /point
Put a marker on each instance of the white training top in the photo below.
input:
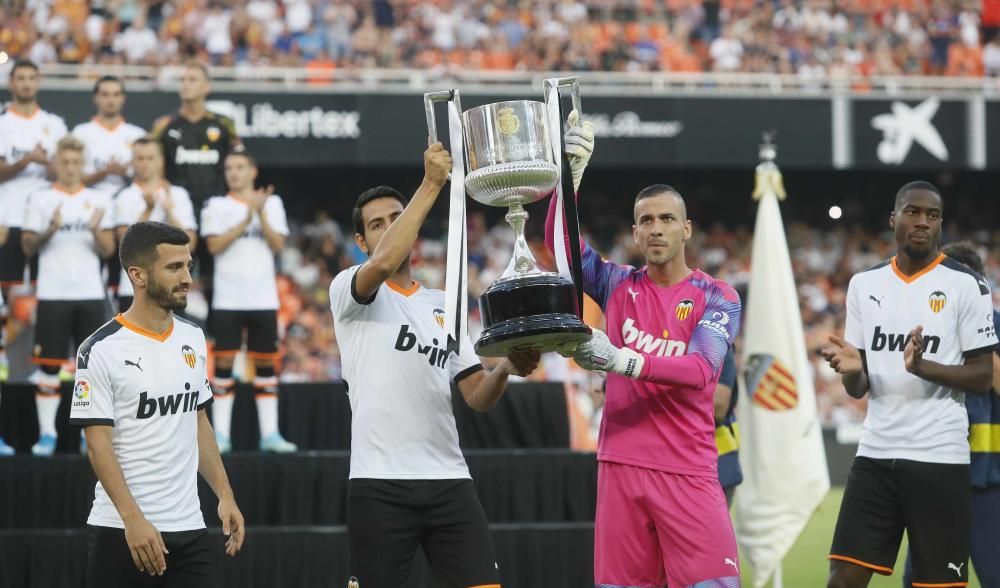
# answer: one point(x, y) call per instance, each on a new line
point(149, 387)
point(104, 145)
point(244, 274)
point(18, 137)
point(129, 206)
point(68, 265)
point(398, 373)
point(909, 417)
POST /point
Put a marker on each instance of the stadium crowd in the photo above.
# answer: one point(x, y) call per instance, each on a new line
point(823, 262)
point(809, 38)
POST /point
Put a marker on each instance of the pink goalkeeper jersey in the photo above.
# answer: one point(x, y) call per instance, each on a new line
point(663, 420)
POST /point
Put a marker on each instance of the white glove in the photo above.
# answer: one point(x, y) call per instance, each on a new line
point(601, 355)
point(579, 146)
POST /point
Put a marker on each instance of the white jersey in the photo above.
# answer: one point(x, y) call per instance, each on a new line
point(149, 387)
point(104, 145)
point(129, 206)
point(909, 417)
point(18, 137)
point(69, 267)
point(398, 372)
point(244, 274)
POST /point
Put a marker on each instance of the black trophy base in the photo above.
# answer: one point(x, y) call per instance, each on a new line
point(537, 312)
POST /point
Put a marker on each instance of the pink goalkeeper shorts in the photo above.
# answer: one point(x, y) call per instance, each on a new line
point(655, 529)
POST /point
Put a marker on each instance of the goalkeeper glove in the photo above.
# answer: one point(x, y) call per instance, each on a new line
point(579, 146)
point(601, 355)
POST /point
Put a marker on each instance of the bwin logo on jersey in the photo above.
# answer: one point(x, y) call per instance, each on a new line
point(937, 300)
point(897, 341)
point(436, 356)
point(167, 405)
point(646, 343)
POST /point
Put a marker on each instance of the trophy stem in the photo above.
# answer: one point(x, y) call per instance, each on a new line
point(523, 261)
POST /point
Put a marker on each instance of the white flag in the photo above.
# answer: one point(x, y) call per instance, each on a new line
point(785, 476)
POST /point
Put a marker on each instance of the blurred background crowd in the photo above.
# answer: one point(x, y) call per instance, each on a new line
point(808, 38)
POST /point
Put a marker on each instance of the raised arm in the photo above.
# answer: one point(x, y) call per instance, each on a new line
point(397, 242)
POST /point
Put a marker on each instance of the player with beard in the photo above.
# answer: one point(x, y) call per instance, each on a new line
point(141, 392)
point(918, 337)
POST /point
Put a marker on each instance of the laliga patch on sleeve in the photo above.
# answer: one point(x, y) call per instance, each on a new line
point(81, 395)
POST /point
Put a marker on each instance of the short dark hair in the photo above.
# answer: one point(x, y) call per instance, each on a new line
point(913, 186)
point(242, 152)
point(374, 194)
point(964, 252)
point(661, 190)
point(114, 79)
point(138, 246)
point(23, 64)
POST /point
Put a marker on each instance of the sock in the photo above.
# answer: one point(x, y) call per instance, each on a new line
point(222, 401)
point(267, 414)
point(265, 386)
point(48, 406)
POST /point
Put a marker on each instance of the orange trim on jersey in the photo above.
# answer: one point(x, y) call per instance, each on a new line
point(11, 284)
point(259, 355)
point(949, 584)
point(224, 353)
point(404, 291)
point(257, 395)
point(49, 361)
point(121, 121)
point(161, 337)
point(65, 191)
point(486, 586)
point(911, 279)
point(880, 569)
point(21, 116)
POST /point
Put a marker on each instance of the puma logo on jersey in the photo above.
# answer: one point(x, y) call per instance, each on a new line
point(643, 342)
point(958, 568)
point(134, 364)
point(436, 356)
point(196, 156)
point(730, 562)
point(876, 300)
point(897, 341)
point(167, 405)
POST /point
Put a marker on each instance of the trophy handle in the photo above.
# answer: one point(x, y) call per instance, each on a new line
point(574, 87)
point(432, 97)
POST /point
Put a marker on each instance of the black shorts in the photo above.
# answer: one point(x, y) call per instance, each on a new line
point(931, 501)
point(388, 519)
point(190, 563)
point(62, 322)
point(226, 328)
point(12, 260)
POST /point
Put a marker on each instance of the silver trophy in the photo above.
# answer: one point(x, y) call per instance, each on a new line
point(511, 162)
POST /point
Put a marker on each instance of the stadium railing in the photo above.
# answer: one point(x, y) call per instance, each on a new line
point(273, 79)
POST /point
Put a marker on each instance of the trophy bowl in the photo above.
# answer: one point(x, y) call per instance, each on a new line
point(511, 163)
